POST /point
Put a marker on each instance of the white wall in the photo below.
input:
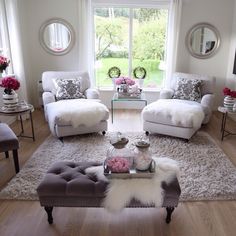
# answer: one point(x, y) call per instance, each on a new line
point(220, 14)
point(33, 13)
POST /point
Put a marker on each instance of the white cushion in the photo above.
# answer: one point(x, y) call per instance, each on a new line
point(174, 112)
point(56, 110)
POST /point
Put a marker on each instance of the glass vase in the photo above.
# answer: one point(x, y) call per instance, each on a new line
point(119, 158)
point(143, 156)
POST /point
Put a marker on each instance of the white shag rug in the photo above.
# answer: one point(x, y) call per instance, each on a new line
point(205, 171)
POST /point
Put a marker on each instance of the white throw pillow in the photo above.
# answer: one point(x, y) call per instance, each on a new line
point(68, 88)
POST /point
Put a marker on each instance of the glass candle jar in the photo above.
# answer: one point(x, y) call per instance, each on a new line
point(143, 157)
point(119, 157)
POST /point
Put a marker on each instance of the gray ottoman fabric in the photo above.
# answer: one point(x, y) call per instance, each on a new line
point(67, 185)
point(8, 139)
point(9, 142)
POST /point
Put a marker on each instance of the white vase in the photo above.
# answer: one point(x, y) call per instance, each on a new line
point(140, 82)
point(10, 100)
point(229, 103)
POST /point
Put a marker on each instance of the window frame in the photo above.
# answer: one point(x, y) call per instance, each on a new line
point(151, 4)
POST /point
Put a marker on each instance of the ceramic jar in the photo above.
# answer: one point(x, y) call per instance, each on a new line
point(143, 156)
point(229, 103)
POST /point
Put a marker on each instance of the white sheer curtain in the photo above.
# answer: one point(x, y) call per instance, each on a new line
point(173, 38)
point(15, 45)
point(86, 58)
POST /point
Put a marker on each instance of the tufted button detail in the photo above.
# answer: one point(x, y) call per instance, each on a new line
point(72, 165)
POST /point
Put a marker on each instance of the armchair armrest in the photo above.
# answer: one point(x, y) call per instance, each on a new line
point(48, 97)
point(91, 93)
point(166, 93)
point(207, 101)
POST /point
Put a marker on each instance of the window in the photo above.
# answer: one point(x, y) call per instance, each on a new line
point(128, 37)
point(4, 38)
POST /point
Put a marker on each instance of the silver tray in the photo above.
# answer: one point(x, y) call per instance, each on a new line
point(133, 173)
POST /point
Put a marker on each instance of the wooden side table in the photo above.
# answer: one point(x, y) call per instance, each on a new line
point(225, 113)
point(21, 109)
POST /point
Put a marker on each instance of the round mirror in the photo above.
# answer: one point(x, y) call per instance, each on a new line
point(56, 36)
point(203, 40)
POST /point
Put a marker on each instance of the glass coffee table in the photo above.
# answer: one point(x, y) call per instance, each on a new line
point(116, 98)
point(21, 109)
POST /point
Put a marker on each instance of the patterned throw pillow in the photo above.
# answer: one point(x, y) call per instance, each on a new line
point(68, 88)
point(188, 89)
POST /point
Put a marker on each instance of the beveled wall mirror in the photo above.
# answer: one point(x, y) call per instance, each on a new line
point(203, 40)
point(57, 36)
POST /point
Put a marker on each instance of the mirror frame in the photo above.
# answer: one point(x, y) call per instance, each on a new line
point(216, 46)
point(71, 32)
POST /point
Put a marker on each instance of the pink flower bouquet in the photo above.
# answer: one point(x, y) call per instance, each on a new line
point(118, 165)
point(125, 80)
point(228, 92)
point(10, 83)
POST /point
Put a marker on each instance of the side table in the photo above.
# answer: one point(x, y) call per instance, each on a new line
point(20, 110)
point(126, 99)
point(225, 113)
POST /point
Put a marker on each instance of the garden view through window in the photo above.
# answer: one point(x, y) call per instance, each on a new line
point(128, 38)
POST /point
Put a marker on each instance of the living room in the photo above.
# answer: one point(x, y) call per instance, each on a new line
point(29, 60)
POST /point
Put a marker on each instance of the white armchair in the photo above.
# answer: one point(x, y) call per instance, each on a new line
point(62, 116)
point(180, 117)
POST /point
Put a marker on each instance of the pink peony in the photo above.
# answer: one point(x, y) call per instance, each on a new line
point(10, 83)
point(233, 94)
point(124, 80)
point(228, 92)
point(118, 165)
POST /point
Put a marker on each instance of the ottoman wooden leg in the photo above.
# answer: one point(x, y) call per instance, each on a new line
point(48, 209)
point(169, 212)
point(7, 154)
point(16, 161)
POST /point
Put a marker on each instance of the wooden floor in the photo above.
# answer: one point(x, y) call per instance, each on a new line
point(203, 218)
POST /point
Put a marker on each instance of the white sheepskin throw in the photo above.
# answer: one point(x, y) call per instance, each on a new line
point(81, 112)
point(182, 113)
point(148, 191)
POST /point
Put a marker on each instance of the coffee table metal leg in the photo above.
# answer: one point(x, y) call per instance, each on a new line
point(111, 111)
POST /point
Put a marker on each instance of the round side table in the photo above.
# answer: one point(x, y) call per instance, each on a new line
point(21, 109)
point(225, 113)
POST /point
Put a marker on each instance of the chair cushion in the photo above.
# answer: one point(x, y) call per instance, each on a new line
point(174, 112)
point(188, 89)
point(56, 110)
point(68, 88)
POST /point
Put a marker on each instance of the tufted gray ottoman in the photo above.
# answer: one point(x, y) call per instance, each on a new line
point(67, 185)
